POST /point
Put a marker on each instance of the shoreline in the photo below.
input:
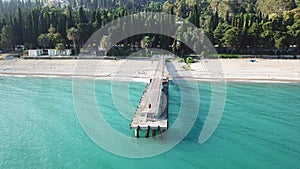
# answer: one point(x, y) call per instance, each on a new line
point(233, 70)
point(145, 80)
point(71, 76)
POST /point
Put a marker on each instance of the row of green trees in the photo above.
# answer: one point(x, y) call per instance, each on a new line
point(8, 8)
point(240, 28)
point(249, 31)
point(45, 27)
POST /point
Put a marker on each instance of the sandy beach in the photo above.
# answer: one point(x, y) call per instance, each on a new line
point(261, 70)
point(143, 69)
point(134, 70)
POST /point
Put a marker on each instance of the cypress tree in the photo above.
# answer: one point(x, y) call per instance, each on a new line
point(1, 5)
point(81, 15)
point(20, 27)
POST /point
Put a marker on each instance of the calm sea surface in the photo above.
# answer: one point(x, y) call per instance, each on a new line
point(260, 127)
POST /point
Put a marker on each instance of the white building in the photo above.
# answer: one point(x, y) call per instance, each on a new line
point(53, 52)
point(49, 52)
point(36, 52)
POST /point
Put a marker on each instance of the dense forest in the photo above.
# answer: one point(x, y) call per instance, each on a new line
point(233, 26)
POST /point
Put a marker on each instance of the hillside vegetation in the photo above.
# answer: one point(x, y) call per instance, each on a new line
point(235, 26)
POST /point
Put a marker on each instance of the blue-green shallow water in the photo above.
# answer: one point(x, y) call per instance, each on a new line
point(260, 128)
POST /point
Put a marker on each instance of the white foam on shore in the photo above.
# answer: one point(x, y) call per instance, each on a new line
point(237, 80)
point(146, 80)
point(68, 76)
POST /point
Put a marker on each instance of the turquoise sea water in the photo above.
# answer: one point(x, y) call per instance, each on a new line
point(260, 127)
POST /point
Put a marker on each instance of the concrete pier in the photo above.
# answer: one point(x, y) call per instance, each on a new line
point(152, 112)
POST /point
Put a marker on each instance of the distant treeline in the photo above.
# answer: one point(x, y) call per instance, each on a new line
point(234, 26)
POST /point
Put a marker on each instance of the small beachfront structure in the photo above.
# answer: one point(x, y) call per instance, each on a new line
point(49, 52)
point(37, 52)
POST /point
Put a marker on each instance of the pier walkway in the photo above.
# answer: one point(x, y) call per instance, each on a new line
point(152, 112)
